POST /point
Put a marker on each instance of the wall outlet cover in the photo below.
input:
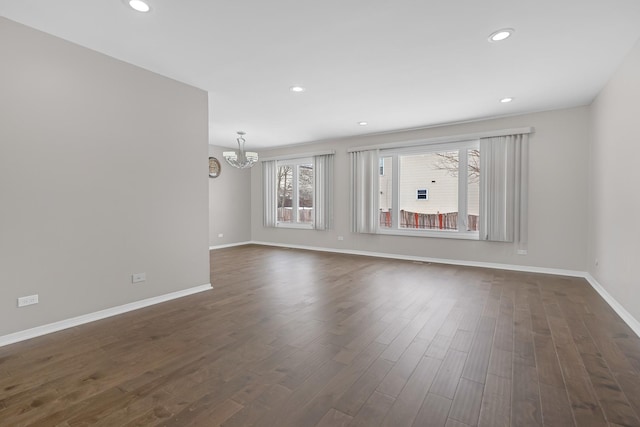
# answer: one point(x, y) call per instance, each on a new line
point(138, 277)
point(28, 300)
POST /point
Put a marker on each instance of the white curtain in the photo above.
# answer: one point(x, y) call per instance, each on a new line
point(364, 191)
point(503, 189)
point(323, 183)
point(269, 193)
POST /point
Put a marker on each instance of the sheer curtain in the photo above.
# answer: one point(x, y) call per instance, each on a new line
point(504, 189)
point(323, 186)
point(269, 193)
point(364, 191)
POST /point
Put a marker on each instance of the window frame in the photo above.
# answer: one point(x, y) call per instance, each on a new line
point(295, 199)
point(395, 154)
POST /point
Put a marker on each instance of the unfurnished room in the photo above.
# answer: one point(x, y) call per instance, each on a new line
point(319, 214)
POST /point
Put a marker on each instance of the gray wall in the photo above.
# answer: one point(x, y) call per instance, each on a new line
point(557, 202)
point(103, 173)
point(229, 203)
point(613, 185)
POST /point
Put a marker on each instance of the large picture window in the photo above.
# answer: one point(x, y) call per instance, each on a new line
point(470, 187)
point(430, 189)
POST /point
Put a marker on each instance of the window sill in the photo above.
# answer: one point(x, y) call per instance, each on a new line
point(441, 234)
point(294, 225)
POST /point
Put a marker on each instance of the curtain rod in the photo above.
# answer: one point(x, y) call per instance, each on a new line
point(442, 139)
point(298, 156)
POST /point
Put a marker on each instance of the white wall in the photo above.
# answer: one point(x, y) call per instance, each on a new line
point(103, 173)
point(229, 203)
point(614, 203)
point(557, 201)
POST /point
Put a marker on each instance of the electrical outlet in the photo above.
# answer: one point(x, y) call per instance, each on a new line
point(30, 300)
point(138, 277)
point(220, 235)
point(341, 238)
point(522, 252)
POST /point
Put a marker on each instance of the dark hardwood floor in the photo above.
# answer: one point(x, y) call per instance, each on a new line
point(297, 338)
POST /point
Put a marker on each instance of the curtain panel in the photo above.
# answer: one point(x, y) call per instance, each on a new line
point(504, 189)
point(269, 218)
point(323, 190)
point(364, 191)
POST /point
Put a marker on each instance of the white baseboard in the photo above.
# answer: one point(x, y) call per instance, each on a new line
point(614, 304)
point(512, 267)
point(102, 314)
point(76, 321)
point(631, 321)
point(229, 245)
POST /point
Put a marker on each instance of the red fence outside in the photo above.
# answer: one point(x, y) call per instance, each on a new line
point(439, 221)
point(304, 214)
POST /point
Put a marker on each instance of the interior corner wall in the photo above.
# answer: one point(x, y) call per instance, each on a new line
point(557, 197)
point(103, 173)
point(614, 203)
point(229, 203)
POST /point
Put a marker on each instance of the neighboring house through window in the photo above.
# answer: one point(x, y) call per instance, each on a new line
point(432, 188)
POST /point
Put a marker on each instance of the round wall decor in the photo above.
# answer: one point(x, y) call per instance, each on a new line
point(214, 167)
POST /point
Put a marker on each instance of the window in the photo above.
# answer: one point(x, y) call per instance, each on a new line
point(431, 190)
point(298, 192)
point(471, 186)
point(295, 192)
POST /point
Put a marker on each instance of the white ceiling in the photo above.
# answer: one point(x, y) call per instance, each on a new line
point(396, 64)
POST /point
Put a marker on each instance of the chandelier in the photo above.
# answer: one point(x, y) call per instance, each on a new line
point(242, 159)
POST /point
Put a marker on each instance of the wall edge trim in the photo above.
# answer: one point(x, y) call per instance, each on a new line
point(627, 317)
point(512, 267)
point(229, 245)
point(15, 337)
point(98, 315)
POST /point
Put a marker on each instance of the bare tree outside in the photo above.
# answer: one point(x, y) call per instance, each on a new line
point(286, 174)
point(285, 188)
point(449, 162)
point(305, 186)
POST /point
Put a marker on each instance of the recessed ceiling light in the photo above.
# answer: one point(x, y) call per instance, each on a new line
point(297, 89)
point(363, 123)
point(139, 5)
point(503, 34)
point(506, 100)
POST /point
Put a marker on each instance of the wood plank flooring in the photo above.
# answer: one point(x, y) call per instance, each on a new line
point(297, 338)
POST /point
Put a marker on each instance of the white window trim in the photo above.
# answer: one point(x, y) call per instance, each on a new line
point(298, 225)
point(394, 153)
